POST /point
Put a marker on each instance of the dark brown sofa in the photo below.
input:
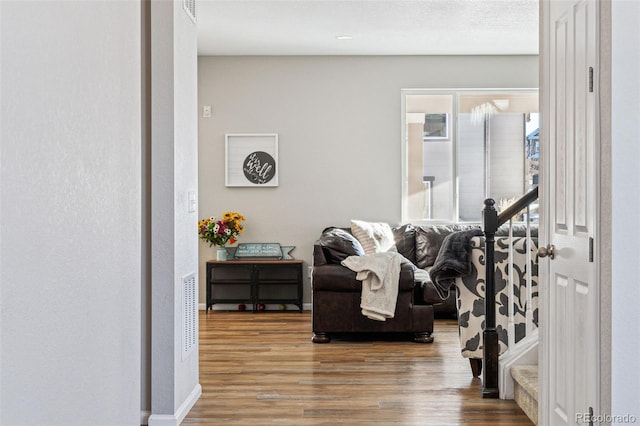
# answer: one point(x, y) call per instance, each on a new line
point(336, 292)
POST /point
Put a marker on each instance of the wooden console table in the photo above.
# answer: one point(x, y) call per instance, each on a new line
point(246, 279)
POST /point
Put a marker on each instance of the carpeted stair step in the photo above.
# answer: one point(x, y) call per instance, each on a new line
point(526, 389)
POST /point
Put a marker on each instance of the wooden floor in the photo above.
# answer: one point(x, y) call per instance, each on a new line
point(261, 368)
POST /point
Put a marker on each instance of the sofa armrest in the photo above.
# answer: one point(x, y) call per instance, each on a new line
point(407, 279)
point(334, 277)
point(318, 256)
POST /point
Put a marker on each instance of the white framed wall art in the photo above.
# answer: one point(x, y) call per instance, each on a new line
point(251, 159)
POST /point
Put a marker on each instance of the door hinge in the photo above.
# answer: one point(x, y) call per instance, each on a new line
point(591, 249)
point(590, 79)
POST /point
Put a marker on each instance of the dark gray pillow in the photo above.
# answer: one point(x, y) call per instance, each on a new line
point(405, 237)
point(338, 244)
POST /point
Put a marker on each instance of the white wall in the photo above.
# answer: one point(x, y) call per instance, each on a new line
point(174, 376)
point(625, 157)
point(70, 217)
point(338, 119)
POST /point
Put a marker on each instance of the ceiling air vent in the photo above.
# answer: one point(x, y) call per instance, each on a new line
point(190, 8)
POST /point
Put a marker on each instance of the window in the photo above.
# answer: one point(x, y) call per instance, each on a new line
point(463, 146)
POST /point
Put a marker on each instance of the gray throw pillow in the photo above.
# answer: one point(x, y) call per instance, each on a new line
point(405, 237)
point(338, 244)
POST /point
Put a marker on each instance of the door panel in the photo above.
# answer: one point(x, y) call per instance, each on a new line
point(580, 118)
point(561, 338)
point(558, 124)
point(570, 338)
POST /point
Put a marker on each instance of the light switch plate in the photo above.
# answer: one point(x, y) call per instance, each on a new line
point(192, 202)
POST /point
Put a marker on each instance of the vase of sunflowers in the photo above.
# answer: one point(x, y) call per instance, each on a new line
point(219, 232)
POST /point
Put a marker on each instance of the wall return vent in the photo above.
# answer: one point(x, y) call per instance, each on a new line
point(189, 314)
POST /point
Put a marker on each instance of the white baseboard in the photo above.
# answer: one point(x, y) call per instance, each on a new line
point(524, 352)
point(176, 418)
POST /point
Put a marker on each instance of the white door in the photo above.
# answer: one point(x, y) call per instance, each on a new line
point(570, 323)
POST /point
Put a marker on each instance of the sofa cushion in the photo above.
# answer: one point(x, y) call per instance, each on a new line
point(375, 237)
point(338, 244)
point(429, 240)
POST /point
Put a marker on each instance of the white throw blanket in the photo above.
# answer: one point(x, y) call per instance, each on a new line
point(380, 274)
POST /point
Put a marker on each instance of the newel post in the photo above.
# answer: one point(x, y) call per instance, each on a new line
point(490, 334)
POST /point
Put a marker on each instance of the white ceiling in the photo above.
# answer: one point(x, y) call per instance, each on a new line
point(388, 27)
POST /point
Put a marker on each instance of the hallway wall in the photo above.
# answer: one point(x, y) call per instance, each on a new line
point(70, 217)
